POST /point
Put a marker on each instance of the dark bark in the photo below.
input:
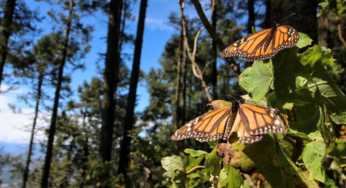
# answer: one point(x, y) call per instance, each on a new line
point(251, 14)
point(131, 100)
point(267, 21)
point(323, 26)
point(180, 57)
point(214, 55)
point(110, 80)
point(304, 20)
point(28, 158)
point(52, 128)
point(5, 34)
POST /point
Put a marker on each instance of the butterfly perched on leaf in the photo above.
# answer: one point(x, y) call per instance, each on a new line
point(249, 121)
point(263, 44)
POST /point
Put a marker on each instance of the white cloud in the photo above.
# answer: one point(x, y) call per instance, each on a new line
point(16, 127)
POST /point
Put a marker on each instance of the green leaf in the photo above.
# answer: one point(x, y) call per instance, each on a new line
point(313, 156)
point(233, 180)
point(257, 79)
point(290, 76)
point(195, 153)
point(315, 59)
point(304, 40)
point(307, 117)
point(212, 163)
point(172, 163)
point(340, 148)
point(330, 184)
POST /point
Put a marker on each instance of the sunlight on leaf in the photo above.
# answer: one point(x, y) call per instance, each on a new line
point(257, 79)
point(313, 156)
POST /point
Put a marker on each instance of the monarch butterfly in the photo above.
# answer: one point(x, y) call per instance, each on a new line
point(248, 120)
point(263, 44)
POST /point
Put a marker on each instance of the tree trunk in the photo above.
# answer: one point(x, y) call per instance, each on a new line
point(180, 54)
point(323, 31)
point(131, 100)
point(267, 20)
point(5, 34)
point(214, 55)
point(251, 13)
point(28, 158)
point(304, 21)
point(86, 153)
point(49, 152)
point(110, 80)
point(184, 66)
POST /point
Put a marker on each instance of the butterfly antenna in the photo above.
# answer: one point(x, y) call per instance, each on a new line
point(286, 17)
point(233, 97)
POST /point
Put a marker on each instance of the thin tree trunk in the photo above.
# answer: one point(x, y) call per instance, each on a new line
point(28, 158)
point(5, 34)
point(86, 153)
point(131, 100)
point(110, 80)
point(251, 12)
point(267, 20)
point(340, 30)
point(49, 152)
point(323, 26)
point(214, 54)
point(184, 66)
point(180, 54)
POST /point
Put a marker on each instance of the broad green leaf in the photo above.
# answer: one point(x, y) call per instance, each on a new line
point(193, 161)
point(313, 156)
point(212, 163)
point(304, 40)
point(257, 79)
point(301, 135)
point(172, 163)
point(340, 148)
point(290, 77)
point(275, 166)
point(315, 59)
point(249, 100)
point(330, 183)
point(308, 117)
point(265, 158)
point(195, 153)
point(327, 133)
point(233, 180)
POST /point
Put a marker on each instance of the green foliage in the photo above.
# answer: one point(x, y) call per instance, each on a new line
point(302, 85)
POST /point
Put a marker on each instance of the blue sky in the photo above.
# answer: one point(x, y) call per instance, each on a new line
point(157, 32)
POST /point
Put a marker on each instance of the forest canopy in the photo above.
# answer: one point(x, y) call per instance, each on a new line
point(258, 65)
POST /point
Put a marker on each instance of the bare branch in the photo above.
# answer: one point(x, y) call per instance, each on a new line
point(235, 67)
point(248, 178)
point(339, 29)
point(195, 68)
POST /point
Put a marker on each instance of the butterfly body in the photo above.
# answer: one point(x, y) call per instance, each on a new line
point(248, 120)
point(263, 44)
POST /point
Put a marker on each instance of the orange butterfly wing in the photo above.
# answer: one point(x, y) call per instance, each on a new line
point(248, 120)
point(263, 44)
point(258, 120)
point(210, 126)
